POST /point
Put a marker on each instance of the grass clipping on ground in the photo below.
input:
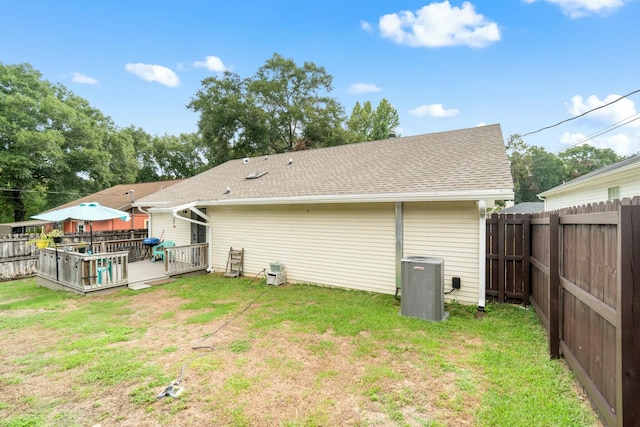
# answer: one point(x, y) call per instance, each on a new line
point(294, 355)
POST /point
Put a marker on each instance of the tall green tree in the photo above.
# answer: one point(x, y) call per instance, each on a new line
point(533, 168)
point(282, 105)
point(52, 142)
point(371, 124)
point(586, 158)
point(177, 157)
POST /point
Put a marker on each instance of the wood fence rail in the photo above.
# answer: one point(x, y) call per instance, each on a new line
point(584, 283)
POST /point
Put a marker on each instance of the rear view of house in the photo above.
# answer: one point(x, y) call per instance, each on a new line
point(346, 216)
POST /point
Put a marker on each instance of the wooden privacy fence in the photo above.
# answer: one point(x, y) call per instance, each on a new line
point(583, 279)
point(18, 258)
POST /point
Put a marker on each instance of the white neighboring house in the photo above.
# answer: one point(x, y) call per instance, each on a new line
point(345, 216)
point(614, 181)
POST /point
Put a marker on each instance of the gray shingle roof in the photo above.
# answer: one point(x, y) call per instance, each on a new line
point(116, 197)
point(524, 208)
point(466, 161)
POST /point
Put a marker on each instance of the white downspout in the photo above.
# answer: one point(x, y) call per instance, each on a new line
point(482, 256)
point(149, 224)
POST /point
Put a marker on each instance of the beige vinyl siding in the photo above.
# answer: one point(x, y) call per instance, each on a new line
point(448, 231)
point(631, 188)
point(578, 197)
point(344, 245)
point(164, 226)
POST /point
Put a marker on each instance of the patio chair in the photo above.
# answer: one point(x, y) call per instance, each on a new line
point(158, 250)
point(103, 265)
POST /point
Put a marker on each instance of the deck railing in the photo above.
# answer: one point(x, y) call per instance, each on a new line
point(134, 247)
point(185, 259)
point(83, 272)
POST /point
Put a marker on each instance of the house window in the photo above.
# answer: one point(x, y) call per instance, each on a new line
point(613, 193)
point(80, 228)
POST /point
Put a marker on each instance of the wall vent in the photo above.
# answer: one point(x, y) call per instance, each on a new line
point(256, 175)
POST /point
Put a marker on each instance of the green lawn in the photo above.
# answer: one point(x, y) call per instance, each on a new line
point(294, 355)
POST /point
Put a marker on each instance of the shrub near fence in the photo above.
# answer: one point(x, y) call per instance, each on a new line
point(19, 257)
point(584, 278)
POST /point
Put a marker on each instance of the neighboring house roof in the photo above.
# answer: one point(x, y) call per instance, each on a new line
point(22, 224)
point(524, 208)
point(118, 196)
point(602, 173)
point(466, 164)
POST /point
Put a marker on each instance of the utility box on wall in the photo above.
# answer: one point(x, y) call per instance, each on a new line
point(276, 276)
point(422, 291)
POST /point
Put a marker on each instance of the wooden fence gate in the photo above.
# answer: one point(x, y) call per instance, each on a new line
point(508, 243)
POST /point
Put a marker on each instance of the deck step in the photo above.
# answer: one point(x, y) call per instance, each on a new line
point(138, 286)
point(161, 281)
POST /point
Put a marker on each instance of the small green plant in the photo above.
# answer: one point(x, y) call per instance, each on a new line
point(56, 232)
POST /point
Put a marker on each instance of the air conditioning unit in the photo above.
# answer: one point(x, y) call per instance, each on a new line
point(422, 288)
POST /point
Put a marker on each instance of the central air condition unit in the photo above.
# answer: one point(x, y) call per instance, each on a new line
point(422, 291)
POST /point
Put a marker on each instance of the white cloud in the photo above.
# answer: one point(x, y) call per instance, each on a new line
point(433, 110)
point(81, 78)
point(626, 139)
point(440, 24)
point(579, 8)
point(364, 25)
point(211, 63)
point(363, 88)
point(154, 73)
point(611, 114)
point(624, 144)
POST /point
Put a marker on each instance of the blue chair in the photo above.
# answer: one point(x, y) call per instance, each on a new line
point(103, 265)
point(158, 250)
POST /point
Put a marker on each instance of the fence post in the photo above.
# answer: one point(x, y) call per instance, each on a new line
point(501, 256)
point(628, 313)
point(554, 286)
point(526, 253)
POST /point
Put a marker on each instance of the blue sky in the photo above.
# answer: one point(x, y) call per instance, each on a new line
point(443, 65)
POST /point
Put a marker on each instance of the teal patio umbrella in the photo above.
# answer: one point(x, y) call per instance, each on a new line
point(92, 211)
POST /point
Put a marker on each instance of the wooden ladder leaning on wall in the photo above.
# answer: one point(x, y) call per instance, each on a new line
point(235, 263)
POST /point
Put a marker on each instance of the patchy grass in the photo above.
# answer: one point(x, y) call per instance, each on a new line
point(296, 355)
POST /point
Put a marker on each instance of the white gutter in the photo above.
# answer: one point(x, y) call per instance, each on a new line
point(482, 256)
point(191, 207)
point(445, 196)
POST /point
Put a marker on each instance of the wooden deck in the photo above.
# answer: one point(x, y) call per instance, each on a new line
point(105, 271)
point(144, 272)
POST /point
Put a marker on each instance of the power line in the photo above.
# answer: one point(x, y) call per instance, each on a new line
point(609, 128)
point(41, 191)
point(580, 115)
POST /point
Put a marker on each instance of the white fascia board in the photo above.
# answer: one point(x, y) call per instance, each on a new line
point(148, 205)
point(173, 208)
point(448, 196)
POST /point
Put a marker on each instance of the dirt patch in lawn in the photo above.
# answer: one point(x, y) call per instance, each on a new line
point(247, 377)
